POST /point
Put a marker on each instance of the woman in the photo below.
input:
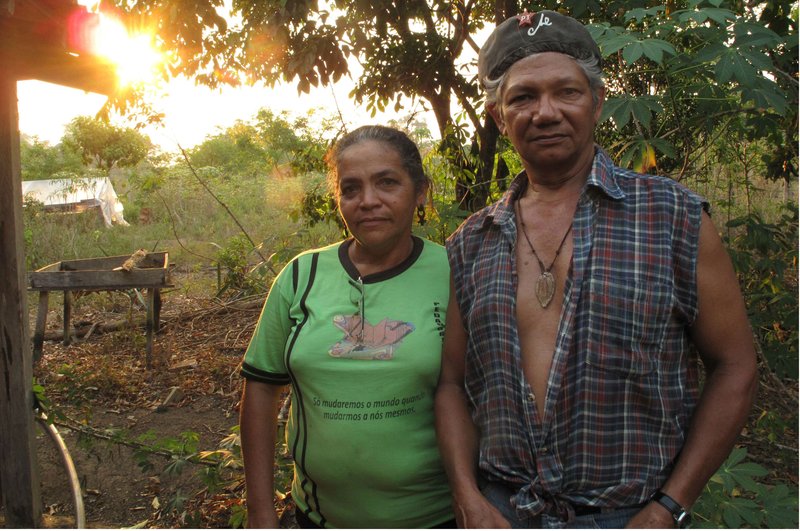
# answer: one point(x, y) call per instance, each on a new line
point(356, 329)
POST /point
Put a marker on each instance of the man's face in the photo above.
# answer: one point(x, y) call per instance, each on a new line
point(545, 109)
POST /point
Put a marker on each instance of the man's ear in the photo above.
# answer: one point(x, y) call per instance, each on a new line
point(492, 109)
point(598, 108)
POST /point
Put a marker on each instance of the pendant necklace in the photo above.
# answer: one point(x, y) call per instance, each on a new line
point(546, 283)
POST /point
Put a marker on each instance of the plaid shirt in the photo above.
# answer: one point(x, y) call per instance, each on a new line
point(624, 379)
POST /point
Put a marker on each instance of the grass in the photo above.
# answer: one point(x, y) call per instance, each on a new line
point(186, 222)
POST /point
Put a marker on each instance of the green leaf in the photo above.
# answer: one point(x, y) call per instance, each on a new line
point(618, 109)
point(732, 65)
point(616, 43)
point(632, 52)
point(655, 49)
point(639, 14)
point(780, 506)
point(703, 15)
point(710, 53)
point(754, 35)
point(731, 517)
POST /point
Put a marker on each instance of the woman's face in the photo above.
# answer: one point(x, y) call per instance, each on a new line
point(376, 195)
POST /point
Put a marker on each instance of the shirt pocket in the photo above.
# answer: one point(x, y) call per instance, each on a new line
point(627, 322)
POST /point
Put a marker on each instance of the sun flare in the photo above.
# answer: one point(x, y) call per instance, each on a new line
point(133, 54)
point(131, 51)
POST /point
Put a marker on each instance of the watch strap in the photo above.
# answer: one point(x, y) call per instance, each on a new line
point(679, 513)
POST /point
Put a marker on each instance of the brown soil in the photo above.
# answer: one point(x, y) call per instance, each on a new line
point(109, 398)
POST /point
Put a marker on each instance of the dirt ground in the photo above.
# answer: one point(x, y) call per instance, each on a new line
point(108, 401)
point(109, 398)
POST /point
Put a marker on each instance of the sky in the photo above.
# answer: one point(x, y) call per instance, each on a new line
point(192, 112)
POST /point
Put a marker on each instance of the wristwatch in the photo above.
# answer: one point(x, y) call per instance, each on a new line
point(681, 516)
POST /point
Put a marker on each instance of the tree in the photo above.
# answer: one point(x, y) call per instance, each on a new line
point(685, 74)
point(678, 73)
point(260, 145)
point(40, 160)
point(397, 48)
point(105, 146)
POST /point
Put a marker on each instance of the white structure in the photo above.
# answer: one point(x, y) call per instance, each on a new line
point(77, 195)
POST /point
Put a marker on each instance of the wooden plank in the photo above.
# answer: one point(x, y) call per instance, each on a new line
point(99, 274)
point(19, 482)
point(107, 263)
point(98, 280)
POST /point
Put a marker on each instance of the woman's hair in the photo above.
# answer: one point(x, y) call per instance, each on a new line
point(590, 67)
point(394, 138)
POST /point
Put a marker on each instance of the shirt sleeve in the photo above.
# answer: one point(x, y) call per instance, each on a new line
point(264, 359)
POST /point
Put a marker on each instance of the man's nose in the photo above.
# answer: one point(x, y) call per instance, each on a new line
point(545, 110)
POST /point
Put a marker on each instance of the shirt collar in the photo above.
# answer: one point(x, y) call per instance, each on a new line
point(602, 177)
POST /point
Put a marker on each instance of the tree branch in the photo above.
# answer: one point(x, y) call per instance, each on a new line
point(218, 200)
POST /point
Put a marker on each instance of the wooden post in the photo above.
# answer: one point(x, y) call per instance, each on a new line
point(19, 480)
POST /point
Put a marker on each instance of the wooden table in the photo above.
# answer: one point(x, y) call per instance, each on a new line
point(100, 274)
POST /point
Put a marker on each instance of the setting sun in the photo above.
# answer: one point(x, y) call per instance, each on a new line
point(134, 55)
point(100, 34)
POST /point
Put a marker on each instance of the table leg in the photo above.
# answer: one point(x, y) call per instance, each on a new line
point(41, 321)
point(151, 310)
point(157, 309)
point(67, 316)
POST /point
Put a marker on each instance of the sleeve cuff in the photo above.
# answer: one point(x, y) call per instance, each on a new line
point(252, 373)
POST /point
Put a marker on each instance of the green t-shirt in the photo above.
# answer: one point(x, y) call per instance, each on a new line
point(361, 426)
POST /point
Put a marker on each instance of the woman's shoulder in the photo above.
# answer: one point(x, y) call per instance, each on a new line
point(307, 255)
point(433, 248)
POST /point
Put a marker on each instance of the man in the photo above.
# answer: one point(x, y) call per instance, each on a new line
point(569, 392)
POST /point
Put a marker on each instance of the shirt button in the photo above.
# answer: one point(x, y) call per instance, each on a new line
point(544, 450)
point(531, 398)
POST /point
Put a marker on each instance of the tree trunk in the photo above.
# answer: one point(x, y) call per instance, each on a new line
point(488, 148)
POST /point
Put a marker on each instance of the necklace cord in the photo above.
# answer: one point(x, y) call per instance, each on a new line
point(535, 254)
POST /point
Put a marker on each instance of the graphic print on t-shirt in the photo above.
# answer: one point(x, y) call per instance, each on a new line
point(366, 341)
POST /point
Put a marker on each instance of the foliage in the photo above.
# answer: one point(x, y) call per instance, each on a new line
point(105, 146)
point(683, 74)
point(680, 75)
point(734, 498)
point(269, 144)
point(39, 160)
point(240, 280)
point(31, 213)
point(765, 255)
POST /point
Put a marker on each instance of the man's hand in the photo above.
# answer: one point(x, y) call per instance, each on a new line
point(652, 516)
point(477, 513)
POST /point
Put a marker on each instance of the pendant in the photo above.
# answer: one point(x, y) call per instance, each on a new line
point(545, 288)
